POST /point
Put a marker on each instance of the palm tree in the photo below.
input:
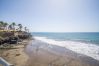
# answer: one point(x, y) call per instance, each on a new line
point(20, 27)
point(10, 27)
point(13, 25)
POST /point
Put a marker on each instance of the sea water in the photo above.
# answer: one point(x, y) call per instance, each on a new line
point(86, 43)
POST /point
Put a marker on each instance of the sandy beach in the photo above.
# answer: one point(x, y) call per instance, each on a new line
point(38, 53)
point(16, 54)
point(43, 54)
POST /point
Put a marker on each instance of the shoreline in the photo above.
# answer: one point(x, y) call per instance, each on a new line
point(39, 53)
point(90, 50)
point(44, 54)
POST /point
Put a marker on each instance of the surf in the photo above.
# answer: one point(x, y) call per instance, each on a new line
point(87, 49)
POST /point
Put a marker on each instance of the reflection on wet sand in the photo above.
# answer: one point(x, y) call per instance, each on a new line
point(43, 54)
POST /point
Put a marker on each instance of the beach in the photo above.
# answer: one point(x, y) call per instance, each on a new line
point(49, 32)
point(16, 54)
point(39, 53)
point(44, 54)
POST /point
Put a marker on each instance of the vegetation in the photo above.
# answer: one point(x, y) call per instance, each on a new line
point(13, 25)
point(20, 27)
point(4, 26)
point(13, 31)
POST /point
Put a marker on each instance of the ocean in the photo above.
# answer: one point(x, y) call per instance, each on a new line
point(86, 43)
point(92, 37)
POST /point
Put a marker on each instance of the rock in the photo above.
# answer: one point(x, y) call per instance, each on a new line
point(18, 54)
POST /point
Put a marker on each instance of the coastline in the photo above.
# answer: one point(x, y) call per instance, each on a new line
point(44, 54)
point(39, 53)
point(90, 50)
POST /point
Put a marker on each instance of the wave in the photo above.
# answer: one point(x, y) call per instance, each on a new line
point(90, 50)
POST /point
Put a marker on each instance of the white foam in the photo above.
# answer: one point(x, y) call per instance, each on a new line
point(82, 48)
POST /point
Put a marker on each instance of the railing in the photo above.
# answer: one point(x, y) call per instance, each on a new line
point(4, 62)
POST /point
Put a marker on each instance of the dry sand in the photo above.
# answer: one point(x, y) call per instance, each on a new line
point(16, 54)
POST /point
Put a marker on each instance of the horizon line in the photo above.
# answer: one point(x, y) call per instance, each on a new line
point(66, 32)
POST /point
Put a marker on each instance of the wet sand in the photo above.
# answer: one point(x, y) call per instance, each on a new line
point(44, 54)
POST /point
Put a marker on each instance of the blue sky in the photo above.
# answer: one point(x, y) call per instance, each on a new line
point(52, 15)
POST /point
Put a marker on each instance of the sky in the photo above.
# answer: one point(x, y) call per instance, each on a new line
point(52, 15)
